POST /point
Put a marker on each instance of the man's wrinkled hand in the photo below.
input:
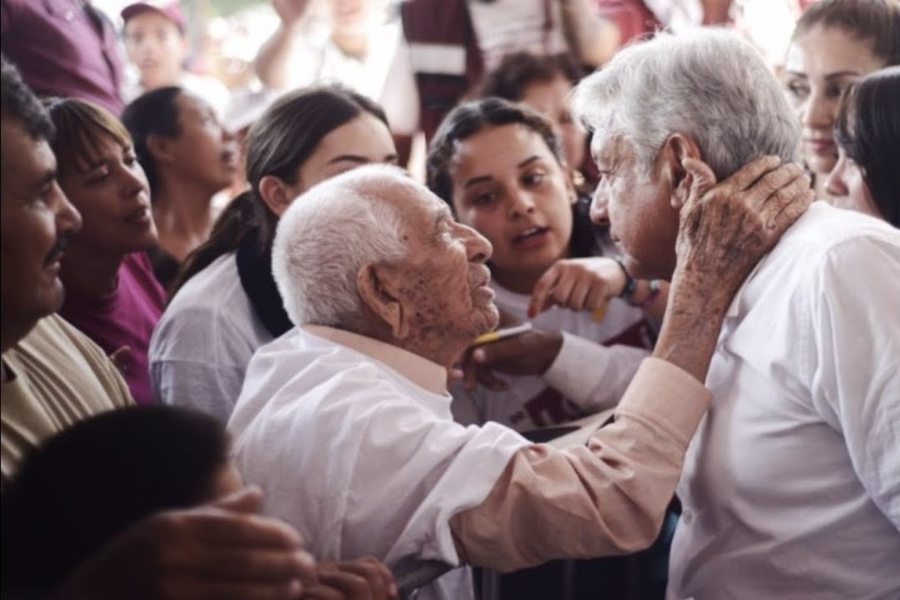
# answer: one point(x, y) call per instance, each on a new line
point(725, 228)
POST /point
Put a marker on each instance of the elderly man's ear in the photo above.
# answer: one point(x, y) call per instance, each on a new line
point(378, 286)
point(677, 148)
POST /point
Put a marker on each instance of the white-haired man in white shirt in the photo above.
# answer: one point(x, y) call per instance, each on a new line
point(791, 488)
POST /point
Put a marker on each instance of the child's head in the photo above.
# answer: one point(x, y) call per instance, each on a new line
point(93, 481)
point(499, 167)
point(156, 41)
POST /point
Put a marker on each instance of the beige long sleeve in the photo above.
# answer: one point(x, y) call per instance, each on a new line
point(605, 498)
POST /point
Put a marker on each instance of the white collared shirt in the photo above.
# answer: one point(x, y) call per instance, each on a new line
point(791, 487)
point(353, 443)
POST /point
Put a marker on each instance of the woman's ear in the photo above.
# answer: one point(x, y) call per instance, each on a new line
point(276, 194)
point(160, 148)
point(376, 285)
point(676, 149)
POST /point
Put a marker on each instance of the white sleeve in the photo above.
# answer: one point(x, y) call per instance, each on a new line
point(856, 376)
point(198, 360)
point(400, 96)
point(592, 375)
point(207, 387)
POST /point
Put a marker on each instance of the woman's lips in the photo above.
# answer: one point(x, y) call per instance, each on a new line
point(821, 146)
point(533, 237)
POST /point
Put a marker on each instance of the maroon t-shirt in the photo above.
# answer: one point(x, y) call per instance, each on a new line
point(63, 48)
point(124, 318)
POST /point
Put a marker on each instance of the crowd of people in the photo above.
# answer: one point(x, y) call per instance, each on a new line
point(321, 350)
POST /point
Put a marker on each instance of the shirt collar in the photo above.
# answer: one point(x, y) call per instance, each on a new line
point(421, 371)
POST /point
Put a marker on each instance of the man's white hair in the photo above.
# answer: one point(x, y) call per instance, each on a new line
point(328, 234)
point(705, 83)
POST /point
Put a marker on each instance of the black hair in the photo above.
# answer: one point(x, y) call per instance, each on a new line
point(278, 144)
point(466, 120)
point(868, 130)
point(518, 70)
point(470, 118)
point(86, 485)
point(873, 21)
point(19, 103)
point(152, 113)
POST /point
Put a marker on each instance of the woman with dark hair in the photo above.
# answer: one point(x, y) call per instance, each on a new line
point(225, 303)
point(868, 135)
point(544, 83)
point(189, 157)
point(498, 166)
point(111, 293)
point(835, 43)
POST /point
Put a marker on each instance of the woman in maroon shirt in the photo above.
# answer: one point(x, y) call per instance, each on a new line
point(111, 293)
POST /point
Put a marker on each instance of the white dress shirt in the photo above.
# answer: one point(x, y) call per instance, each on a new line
point(791, 487)
point(202, 345)
point(353, 443)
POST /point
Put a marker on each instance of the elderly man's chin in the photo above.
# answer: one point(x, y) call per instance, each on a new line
point(490, 319)
point(647, 270)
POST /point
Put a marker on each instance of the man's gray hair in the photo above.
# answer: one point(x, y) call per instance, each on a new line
point(705, 83)
point(328, 234)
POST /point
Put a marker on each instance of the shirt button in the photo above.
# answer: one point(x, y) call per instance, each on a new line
point(687, 516)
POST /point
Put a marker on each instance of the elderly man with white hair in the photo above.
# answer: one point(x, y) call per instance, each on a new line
point(791, 488)
point(345, 420)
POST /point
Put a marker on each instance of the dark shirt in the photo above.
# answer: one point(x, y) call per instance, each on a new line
point(63, 48)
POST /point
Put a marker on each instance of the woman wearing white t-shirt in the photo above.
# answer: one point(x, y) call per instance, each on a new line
point(499, 166)
point(225, 303)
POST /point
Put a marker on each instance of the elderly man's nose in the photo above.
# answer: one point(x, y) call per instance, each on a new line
point(479, 248)
point(599, 211)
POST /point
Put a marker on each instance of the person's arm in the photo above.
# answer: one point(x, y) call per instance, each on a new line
point(591, 39)
point(272, 62)
point(611, 495)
